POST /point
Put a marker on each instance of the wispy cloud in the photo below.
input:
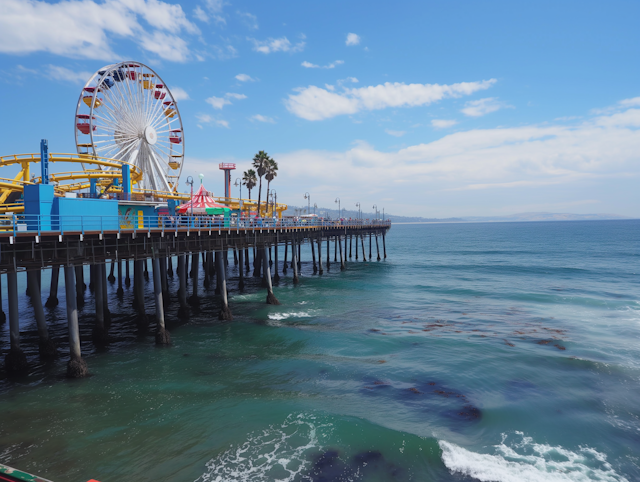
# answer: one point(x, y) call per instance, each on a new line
point(271, 45)
point(332, 65)
point(207, 119)
point(262, 118)
point(220, 102)
point(315, 103)
point(245, 78)
point(249, 19)
point(352, 39)
point(442, 123)
point(478, 108)
point(395, 133)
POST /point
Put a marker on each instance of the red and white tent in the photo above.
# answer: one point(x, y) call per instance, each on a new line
point(200, 201)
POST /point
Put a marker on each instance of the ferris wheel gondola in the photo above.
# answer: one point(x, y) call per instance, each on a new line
point(127, 112)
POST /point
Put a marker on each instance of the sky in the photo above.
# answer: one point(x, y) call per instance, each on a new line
point(426, 108)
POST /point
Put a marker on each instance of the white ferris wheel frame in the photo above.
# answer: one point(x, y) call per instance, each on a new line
point(130, 124)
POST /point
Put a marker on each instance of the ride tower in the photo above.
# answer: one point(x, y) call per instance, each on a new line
point(227, 168)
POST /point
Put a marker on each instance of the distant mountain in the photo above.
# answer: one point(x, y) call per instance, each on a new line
point(521, 217)
point(544, 217)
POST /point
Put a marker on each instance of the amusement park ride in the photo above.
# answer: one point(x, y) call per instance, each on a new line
point(130, 147)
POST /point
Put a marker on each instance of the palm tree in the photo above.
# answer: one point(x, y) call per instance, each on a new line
point(271, 173)
point(260, 162)
point(249, 180)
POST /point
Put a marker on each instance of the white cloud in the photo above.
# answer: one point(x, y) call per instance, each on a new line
point(395, 133)
point(271, 45)
point(86, 29)
point(67, 75)
point(207, 119)
point(442, 123)
point(478, 172)
point(635, 102)
point(220, 102)
point(478, 108)
point(262, 118)
point(245, 78)
point(315, 103)
point(332, 65)
point(352, 39)
point(200, 14)
point(179, 93)
point(249, 19)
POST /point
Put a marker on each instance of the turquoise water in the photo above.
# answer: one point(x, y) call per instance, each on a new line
point(493, 352)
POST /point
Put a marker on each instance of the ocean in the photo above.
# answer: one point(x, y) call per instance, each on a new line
point(492, 352)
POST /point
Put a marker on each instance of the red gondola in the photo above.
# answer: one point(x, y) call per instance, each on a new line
point(83, 124)
point(160, 93)
point(175, 136)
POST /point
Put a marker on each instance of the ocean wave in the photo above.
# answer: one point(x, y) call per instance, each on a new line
point(277, 453)
point(526, 461)
point(284, 316)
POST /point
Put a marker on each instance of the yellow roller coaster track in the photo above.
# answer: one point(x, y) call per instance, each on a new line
point(107, 170)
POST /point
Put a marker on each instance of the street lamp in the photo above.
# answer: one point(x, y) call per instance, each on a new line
point(190, 182)
point(239, 183)
point(339, 210)
point(359, 215)
point(274, 201)
point(375, 208)
point(383, 214)
point(307, 196)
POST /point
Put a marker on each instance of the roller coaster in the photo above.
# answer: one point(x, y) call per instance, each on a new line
point(126, 120)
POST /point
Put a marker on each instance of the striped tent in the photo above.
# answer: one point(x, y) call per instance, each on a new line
point(200, 201)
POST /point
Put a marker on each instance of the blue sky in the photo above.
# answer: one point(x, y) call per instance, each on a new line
point(437, 109)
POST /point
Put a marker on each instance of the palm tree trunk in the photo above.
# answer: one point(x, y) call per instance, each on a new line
point(259, 196)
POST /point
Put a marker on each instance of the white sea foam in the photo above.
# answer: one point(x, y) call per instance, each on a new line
point(526, 461)
point(277, 453)
point(284, 316)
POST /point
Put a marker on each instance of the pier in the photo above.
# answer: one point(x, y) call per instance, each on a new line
point(180, 244)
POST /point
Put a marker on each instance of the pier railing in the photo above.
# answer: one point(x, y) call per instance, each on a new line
point(13, 224)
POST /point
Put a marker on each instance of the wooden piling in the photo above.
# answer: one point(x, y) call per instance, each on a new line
point(294, 263)
point(339, 241)
point(276, 276)
point(241, 268)
point(384, 246)
point(79, 286)
point(112, 278)
point(225, 312)
point(364, 258)
point(52, 301)
point(194, 301)
point(271, 299)
point(183, 310)
point(120, 291)
point(46, 345)
point(319, 242)
point(377, 247)
point(313, 256)
point(77, 367)
point(15, 361)
point(99, 333)
point(162, 335)
point(3, 316)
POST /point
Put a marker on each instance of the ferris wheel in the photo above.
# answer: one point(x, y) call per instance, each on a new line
point(127, 112)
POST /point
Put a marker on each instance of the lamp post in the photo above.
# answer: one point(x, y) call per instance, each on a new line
point(358, 204)
point(315, 206)
point(383, 214)
point(239, 183)
point(274, 201)
point(190, 182)
point(307, 196)
point(375, 209)
point(339, 210)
